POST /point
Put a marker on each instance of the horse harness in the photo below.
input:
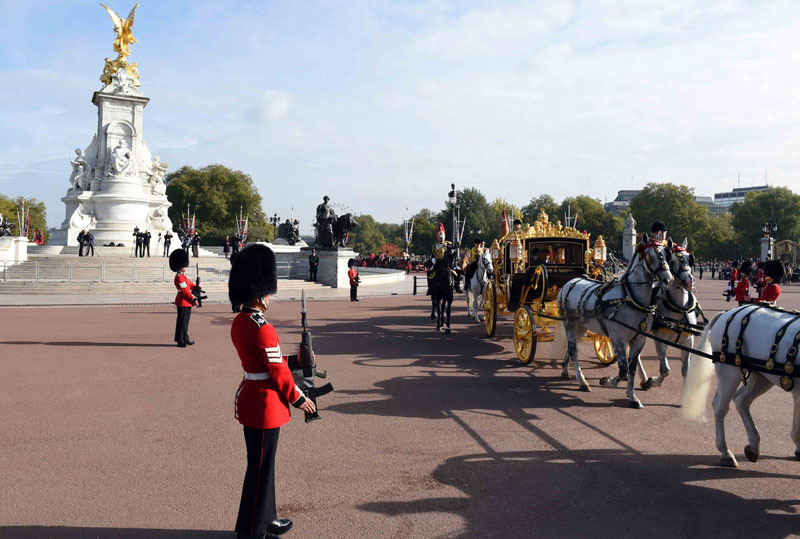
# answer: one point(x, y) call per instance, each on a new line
point(748, 364)
point(681, 325)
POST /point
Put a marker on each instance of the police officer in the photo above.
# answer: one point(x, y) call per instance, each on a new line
point(263, 398)
point(184, 300)
point(167, 242)
point(313, 264)
point(196, 245)
point(235, 242)
point(146, 242)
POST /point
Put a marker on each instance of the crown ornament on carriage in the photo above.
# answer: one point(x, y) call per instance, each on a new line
point(120, 67)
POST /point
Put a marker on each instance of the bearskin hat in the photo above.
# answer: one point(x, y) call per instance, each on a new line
point(658, 226)
point(254, 274)
point(746, 267)
point(774, 269)
point(517, 222)
point(351, 263)
point(178, 259)
point(734, 264)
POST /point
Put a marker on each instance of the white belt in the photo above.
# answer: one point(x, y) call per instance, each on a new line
point(256, 375)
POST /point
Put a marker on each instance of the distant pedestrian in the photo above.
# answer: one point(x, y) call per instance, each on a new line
point(701, 270)
point(196, 245)
point(235, 244)
point(226, 248)
point(713, 270)
point(167, 242)
point(146, 242)
point(313, 264)
point(89, 239)
point(81, 239)
point(137, 236)
point(352, 274)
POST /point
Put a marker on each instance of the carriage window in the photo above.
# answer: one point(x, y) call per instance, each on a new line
point(559, 254)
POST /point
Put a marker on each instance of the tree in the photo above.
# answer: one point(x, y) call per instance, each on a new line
point(496, 213)
point(476, 213)
point(537, 204)
point(423, 235)
point(392, 248)
point(366, 238)
point(675, 206)
point(217, 194)
point(38, 214)
point(776, 204)
point(718, 241)
point(593, 218)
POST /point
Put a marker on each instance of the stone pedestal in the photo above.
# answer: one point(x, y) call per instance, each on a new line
point(116, 184)
point(332, 269)
point(766, 249)
point(628, 244)
point(13, 250)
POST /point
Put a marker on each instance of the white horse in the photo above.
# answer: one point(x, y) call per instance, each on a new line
point(677, 307)
point(477, 286)
point(748, 336)
point(590, 305)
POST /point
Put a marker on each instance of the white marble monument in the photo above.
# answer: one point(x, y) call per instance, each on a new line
point(116, 184)
point(629, 238)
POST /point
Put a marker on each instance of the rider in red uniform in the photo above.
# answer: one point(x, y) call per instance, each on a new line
point(184, 300)
point(773, 273)
point(266, 391)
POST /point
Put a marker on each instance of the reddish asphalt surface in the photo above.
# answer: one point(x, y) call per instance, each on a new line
point(110, 431)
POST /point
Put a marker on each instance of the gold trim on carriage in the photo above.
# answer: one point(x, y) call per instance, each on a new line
point(531, 265)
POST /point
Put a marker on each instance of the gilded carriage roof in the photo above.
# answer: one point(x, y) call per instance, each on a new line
point(543, 228)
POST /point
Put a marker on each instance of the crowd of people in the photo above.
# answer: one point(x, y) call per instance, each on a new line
point(722, 269)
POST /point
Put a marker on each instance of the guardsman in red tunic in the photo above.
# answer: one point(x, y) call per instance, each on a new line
point(266, 391)
point(742, 289)
point(352, 275)
point(773, 273)
point(184, 300)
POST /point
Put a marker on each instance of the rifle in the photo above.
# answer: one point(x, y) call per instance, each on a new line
point(304, 367)
point(197, 291)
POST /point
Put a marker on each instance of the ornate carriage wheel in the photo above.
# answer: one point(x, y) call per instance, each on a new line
point(490, 308)
point(525, 334)
point(603, 349)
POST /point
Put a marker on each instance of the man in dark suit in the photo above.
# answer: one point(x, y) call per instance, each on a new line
point(81, 239)
point(138, 242)
point(313, 264)
point(167, 242)
point(146, 242)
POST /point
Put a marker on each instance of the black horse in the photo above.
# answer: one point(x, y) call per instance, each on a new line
point(342, 227)
point(442, 286)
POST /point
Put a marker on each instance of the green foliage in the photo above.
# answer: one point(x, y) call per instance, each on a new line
point(367, 237)
point(535, 206)
point(38, 211)
point(593, 218)
point(778, 204)
point(424, 230)
point(675, 206)
point(718, 241)
point(216, 193)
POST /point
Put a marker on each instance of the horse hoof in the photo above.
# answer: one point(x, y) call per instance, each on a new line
point(604, 380)
point(586, 388)
point(645, 385)
point(728, 462)
point(751, 456)
point(636, 405)
point(565, 375)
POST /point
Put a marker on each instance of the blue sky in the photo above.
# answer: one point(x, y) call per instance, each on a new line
point(383, 104)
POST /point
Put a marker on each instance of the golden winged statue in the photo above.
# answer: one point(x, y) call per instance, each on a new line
point(122, 46)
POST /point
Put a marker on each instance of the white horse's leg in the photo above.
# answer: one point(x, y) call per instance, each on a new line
point(467, 294)
point(728, 378)
point(756, 386)
point(663, 367)
point(583, 385)
point(621, 353)
point(634, 360)
point(796, 422)
point(686, 357)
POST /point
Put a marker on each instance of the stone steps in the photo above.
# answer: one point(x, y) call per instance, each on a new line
point(40, 288)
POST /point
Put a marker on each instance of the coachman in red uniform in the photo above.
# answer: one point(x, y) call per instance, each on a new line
point(184, 300)
point(267, 389)
point(773, 273)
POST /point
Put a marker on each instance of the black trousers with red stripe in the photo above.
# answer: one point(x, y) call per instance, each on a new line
point(182, 325)
point(257, 508)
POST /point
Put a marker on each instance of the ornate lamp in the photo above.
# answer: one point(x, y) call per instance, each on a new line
point(495, 251)
point(599, 250)
point(515, 250)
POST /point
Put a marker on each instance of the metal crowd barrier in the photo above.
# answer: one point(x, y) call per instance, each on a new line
point(116, 271)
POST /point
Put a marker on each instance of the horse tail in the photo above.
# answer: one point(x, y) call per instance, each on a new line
point(699, 377)
point(560, 341)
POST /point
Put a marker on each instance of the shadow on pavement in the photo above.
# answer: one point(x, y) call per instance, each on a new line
point(85, 343)
point(66, 532)
point(614, 493)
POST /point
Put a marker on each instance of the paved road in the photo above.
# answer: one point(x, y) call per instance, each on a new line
point(108, 431)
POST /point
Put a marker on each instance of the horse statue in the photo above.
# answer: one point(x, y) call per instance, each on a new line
point(676, 315)
point(756, 344)
point(586, 304)
point(476, 285)
point(342, 227)
point(442, 286)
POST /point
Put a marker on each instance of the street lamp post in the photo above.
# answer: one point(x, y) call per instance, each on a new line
point(274, 221)
point(458, 224)
point(769, 228)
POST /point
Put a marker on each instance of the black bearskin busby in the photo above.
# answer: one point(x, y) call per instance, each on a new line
point(351, 263)
point(254, 274)
point(774, 269)
point(746, 267)
point(478, 241)
point(178, 259)
point(658, 226)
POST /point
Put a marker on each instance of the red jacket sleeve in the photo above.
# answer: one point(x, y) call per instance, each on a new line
point(270, 349)
point(185, 291)
point(741, 289)
point(770, 293)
